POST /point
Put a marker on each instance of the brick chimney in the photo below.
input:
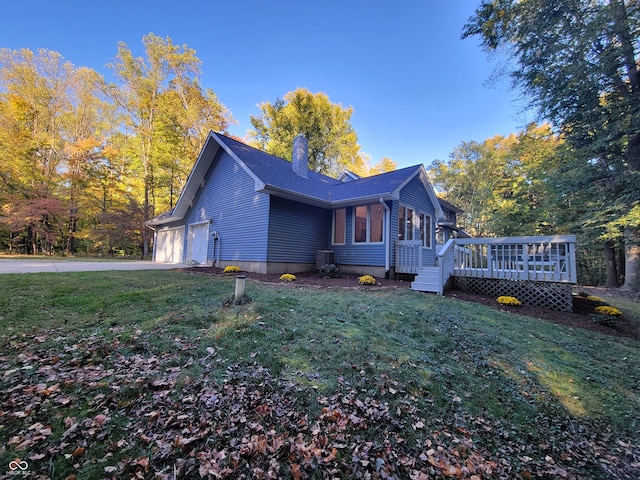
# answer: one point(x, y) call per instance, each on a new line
point(300, 157)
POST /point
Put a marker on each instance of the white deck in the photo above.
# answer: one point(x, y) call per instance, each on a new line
point(542, 259)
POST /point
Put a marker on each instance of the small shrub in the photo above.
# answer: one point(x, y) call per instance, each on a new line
point(329, 270)
point(231, 269)
point(511, 301)
point(287, 277)
point(607, 310)
point(606, 315)
point(594, 299)
point(366, 280)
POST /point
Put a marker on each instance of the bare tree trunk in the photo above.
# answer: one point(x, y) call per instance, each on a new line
point(610, 262)
point(621, 261)
point(632, 255)
point(145, 230)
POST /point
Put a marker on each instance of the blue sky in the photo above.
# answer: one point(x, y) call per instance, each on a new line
point(416, 88)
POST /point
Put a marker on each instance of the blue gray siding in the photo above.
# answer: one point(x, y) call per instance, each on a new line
point(297, 231)
point(239, 214)
point(414, 195)
point(351, 253)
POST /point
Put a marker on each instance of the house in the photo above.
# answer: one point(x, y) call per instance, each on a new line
point(242, 206)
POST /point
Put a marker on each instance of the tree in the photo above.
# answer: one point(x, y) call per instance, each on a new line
point(333, 144)
point(504, 185)
point(578, 61)
point(384, 165)
point(166, 114)
point(84, 135)
point(34, 99)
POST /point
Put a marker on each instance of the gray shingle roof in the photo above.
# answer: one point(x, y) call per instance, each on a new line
point(277, 173)
point(275, 176)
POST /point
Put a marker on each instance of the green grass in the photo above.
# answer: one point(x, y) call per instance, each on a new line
point(134, 345)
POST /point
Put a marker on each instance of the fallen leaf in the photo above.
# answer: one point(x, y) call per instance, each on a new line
point(78, 452)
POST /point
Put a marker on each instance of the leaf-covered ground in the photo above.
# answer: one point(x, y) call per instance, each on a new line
point(125, 412)
point(183, 396)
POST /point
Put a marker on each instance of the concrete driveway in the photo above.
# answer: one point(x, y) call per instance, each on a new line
point(22, 265)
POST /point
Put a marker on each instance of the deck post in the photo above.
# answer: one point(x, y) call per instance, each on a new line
point(571, 262)
point(489, 260)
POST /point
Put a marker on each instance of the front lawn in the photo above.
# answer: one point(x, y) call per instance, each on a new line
point(147, 375)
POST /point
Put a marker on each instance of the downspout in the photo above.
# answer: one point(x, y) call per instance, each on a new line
point(387, 250)
point(216, 242)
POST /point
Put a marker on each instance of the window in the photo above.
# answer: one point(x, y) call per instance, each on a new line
point(425, 230)
point(368, 224)
point(360, 230)
point(339, 226)
point(405, 223)
point(413, 225)
point(376, 219)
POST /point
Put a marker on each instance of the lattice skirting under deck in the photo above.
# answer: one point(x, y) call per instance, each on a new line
point(554, 296)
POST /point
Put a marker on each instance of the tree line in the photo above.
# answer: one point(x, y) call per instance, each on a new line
point(578, 62)
point(84, 163)
point(519, 185)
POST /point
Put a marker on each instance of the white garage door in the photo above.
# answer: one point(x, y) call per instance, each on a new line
point(198, 243)
point(169, 245)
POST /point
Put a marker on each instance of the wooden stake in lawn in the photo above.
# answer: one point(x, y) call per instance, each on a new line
point(240, 286)
point(239, 297)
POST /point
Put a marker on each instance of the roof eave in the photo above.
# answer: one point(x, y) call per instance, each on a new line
point(318, 202)
point(365, 199)
point(154, 222)
point(290, 195)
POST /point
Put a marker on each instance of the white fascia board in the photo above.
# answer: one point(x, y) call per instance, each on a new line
point(364, 200)
point(308, 200)
point(439, 213)
point(259, 183)
point(196, 177)
point(289, 195)
point(192, 185)
point(161, 221)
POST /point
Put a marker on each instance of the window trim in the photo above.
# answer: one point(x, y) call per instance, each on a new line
point(414, 221)
point(408, 217)
point(426, 219)
point(368, 225)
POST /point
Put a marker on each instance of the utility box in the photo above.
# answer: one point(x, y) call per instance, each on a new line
point(324, 257)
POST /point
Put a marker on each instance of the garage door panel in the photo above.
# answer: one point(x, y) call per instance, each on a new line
point(198, 243)
point(169, 245)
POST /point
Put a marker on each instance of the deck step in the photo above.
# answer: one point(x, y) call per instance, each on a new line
point(425, 287)
point(427, 280)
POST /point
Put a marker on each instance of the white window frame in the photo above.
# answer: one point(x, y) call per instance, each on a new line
point(425, 219)
point(413, 224)
point(368, 226)
point(410, 217)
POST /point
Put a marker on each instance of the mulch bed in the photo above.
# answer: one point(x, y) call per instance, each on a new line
point(623, 327)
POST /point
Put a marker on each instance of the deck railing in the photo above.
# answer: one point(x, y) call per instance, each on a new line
point(545, 259)
point(408, 256)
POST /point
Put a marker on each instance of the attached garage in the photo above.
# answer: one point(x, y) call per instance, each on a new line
point(198, 245)
point(169, 245)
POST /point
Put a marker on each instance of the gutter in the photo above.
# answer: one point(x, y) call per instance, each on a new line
point(387, 251)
